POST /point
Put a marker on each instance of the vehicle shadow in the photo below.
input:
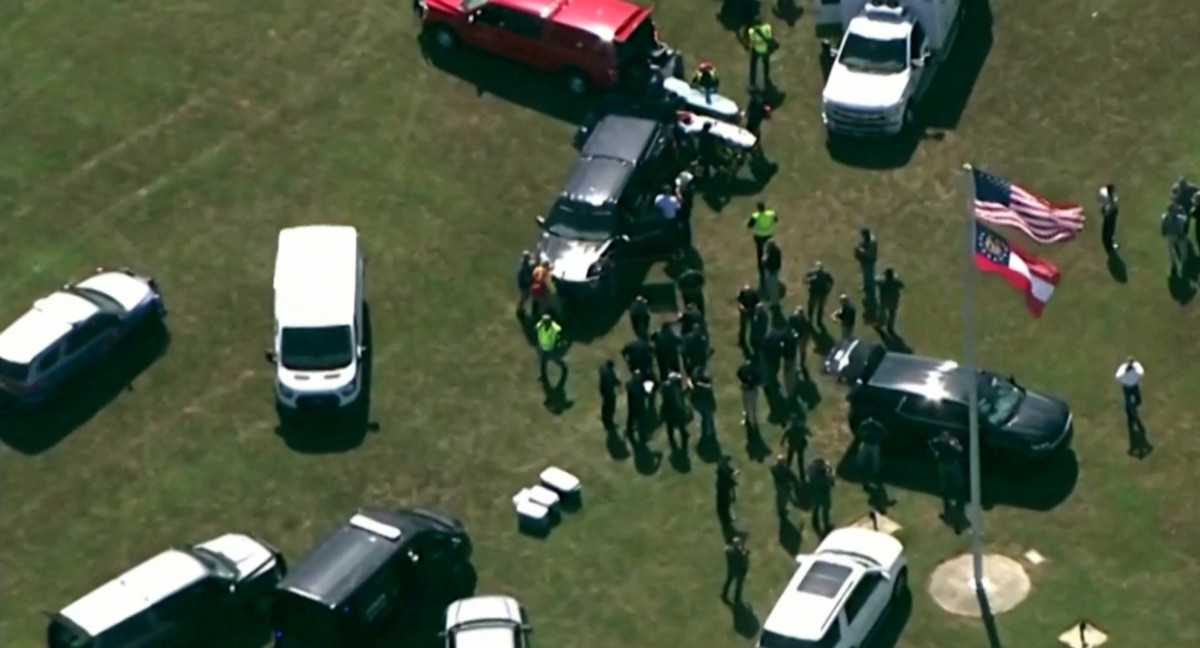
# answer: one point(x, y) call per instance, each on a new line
point(335, 432)
point(877, 155)
point(893, 625)
point(589, 319)
point(510, 81)
point(32, 431)
point(243, 633)
point(946, 102)
point(1006, 482)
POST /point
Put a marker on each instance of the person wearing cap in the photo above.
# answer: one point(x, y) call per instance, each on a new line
point(525, 282)
point(846, 315)
point(639, 317)
point(549, 341)
point(705, 78)
point(637, 408)
point(1129, 375)
point(691, 289)
point(801, 328)
point(1109, 210)
point(704, 402)
point(867, 254)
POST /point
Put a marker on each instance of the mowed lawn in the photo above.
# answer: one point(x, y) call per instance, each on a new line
point(178, 137)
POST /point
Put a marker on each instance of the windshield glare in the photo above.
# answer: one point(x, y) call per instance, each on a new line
point(316, 349)
point(574, 221)
point(881, 56)
point(220, 565)
point(998, 399)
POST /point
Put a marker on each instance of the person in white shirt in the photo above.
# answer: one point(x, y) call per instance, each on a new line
point(667, 204)
point(1129, 374)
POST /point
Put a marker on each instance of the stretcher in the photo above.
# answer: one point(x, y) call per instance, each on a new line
point(738, 139)
point(701, 102)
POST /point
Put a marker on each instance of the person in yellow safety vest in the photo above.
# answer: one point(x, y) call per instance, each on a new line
point(549, 345)
point(706, 78)
point(762, 226)
point(762, 44)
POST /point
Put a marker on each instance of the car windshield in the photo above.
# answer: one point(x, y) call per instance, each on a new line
point(61, 635)
point(998, 399)
point(471, 5)
point(320, 348)
point(775, 640)
point(220, 565)
point(574, 221)
point(295, 618)
point(13, 371)
point(485, 632)
point(103, 301)
point(877, 56)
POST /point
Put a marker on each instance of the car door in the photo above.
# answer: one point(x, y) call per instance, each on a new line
point(45, 372)
point(510, 33)
point(924, 418)
point(921, 60)
point(178, 617)
point(94, 336)
point(865, 608)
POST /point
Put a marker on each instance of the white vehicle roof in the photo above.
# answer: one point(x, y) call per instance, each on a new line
point(48, 321)
point(876, 29)
point(316, 269)
point(135, 591)
point(484, 621)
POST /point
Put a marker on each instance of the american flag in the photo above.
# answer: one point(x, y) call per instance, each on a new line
point(1001, 202)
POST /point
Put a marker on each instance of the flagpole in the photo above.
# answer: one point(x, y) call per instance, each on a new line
point(975, 512)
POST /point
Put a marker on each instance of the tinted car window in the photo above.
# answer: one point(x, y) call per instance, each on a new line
point(49, 360)
point(13, 371)
point(88, 332)
point(522, 24)
point(858, 598)
point(61, 635)
point(295, 616)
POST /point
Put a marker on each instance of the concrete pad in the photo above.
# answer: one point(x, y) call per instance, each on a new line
point(880, 522)
point(952, 585)
point(1035, 558)
point(1083, 635)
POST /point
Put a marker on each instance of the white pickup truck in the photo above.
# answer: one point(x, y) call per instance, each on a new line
point(889, 55)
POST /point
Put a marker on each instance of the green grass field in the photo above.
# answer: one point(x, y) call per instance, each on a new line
point(179, 136)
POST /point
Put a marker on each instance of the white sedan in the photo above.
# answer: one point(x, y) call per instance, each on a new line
point(486, 622)
point(64, 333)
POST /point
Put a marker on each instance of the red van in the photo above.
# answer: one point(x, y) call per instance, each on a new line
point(590, 44)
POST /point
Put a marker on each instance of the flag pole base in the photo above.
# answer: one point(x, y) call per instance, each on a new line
point(1005, 585)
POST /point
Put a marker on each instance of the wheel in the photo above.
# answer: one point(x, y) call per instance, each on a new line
point(900, 588)
point(576, 82)
point(443, 37)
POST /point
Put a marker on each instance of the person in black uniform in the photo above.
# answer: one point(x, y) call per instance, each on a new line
point(771, 357)
point(948, 452)
point(784, 482)
point(747, 303)
point(696, 351)
point(708, 152)
point(639, 317)
point(789, 345)
point(750, 380)
point(609, 384)
point(638, 356)
point(667, 347)
point(1109, 210)
point(705, 403)
point(826, 57)
point(726, 493)
point(635, 408)
point(737, 565)
point(870, 450)
point(802, 329)
point(846, 315)
point(890, 288)
point(525, 282)
point(820, 286)
point(674, 412)
point(690, 319)
point(691, 289)
point(772, 265)
point(759, 327)
point(820, 484)
point(757, 110)
point(793, 443)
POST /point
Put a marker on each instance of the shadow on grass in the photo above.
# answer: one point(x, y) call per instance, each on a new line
point(588, 318)
point(888, 635)
point(32, 430)
point(510, 81)
point(250, 632)
point(334, 431)
point(745, 621)
point(1007, 482)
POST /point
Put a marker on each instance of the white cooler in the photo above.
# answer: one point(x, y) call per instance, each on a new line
point(565, 485)
point(531, 516)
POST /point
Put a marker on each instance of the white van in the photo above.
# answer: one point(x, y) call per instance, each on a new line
point(319, 301)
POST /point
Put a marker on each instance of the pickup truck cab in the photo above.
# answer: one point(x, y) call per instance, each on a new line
point(590, 44)
point(887, 60)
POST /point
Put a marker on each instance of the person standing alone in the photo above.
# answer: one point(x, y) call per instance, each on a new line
point(762, 227)
point(1109, 210)
point(761, 42)
point(1129, 375)
point(737, 565)
point(609, 383)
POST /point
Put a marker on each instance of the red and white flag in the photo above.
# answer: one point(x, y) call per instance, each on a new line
point(1033, 276)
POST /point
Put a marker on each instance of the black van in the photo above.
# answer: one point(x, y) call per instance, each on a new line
point(383, 568)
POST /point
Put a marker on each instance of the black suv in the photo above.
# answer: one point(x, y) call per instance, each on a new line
point(383, 569)
point(603, 217)
point(916, 398)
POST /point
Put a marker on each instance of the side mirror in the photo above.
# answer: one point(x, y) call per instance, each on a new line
point(527, 628)
point(472, 17)
point(233, 588)
point(270, 356)
point(541, 221)
point(624, 238)
point(362, 350)
point(886, 576)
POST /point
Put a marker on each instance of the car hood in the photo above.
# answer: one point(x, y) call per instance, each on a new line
point(317, 381)
point(876, 545)
point(570, 259)
point(446, 6)
point(864, 90)
point(1040, 415)
point(850, 359)
point(130, 292)
point(251, 556)
point(499, 609)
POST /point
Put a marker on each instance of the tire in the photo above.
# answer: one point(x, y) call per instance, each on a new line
point(576, 82)
point(900, 590)
point(443, 38)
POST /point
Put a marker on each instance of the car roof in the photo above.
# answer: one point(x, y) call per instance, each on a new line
point(135, 591)
point(620, 137)
point(45, 323)
point(933, 378)
point(335, 570)
point(812, 597)
point(604, 19)
point(596, 181)
point(316, 271)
